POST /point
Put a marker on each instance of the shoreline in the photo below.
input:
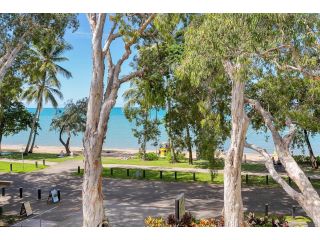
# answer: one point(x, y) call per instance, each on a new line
point(110, 152)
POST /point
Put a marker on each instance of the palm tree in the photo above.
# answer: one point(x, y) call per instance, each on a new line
point(44, 85)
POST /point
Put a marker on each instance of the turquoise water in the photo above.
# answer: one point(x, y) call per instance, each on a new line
point(119, 134)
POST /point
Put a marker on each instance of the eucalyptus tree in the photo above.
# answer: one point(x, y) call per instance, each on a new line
point(291, 77)
point(14, 117)
point(71, 121)
point(43, 69)
point(131, 28)
point(18, 30)
point(228, 47)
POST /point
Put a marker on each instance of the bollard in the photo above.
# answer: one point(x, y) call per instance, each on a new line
point(194, 176)
point(267, 179)
point(266, 212)
point(39, 193)
point(144, 173)
point(3, 191)
point(78, 169)
point(36, 163)
point(20, 192)
point(247, 178)
point(175, 175)
point(111, 171)
point(1, 211)
point(293, 211)
point(289, 179)
point(160, 174)
point(43, 162)
point(309, 179)
point(59, 195)
point(10, 167)
point(128, 173)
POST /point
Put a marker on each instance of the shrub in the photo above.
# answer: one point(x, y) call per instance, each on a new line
point(273, 221)
point(301, 159)
point(151, 156)
point(155, 222)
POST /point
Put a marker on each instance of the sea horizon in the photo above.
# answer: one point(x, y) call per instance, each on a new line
point(119, 134)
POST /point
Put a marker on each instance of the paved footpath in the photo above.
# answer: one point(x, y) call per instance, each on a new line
point(127, 202)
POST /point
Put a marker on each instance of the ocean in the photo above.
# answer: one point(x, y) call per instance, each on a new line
point(120, 135)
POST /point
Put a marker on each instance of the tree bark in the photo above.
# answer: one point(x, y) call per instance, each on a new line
point(33, 140)
point(32, 130)
point(308, 199)
point(67, 143)
point(99, 107)
point(313, 159)
point(233, 206)
point(189, 145)
point(7, 60)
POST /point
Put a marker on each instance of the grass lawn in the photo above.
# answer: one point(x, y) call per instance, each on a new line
point(18, 167)
point(152, 175)
point(50, 157)
point(162, 162)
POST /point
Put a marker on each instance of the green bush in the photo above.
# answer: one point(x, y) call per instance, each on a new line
point(179, 156)
point(301, 159)
point(151, 156)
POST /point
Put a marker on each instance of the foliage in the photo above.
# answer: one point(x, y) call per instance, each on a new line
point(72, 119)
point(266, 221)
point(187, 220)
point(151, 156)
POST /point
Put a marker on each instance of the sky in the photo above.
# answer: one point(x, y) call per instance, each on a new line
point(80, 64)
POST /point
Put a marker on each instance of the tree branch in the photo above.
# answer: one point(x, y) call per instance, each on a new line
point(274, 174)
point(133, 40)
point(267, 117)
point(292, 130)
point(128, 77)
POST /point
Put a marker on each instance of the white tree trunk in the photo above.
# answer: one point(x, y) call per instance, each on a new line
point(233, 206)
point(7, 60)
point(308, 197)
point(100, 105)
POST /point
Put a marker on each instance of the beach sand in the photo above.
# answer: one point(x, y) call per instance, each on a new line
point(110, 152)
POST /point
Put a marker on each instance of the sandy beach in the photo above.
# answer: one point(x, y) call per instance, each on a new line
point(110, 152)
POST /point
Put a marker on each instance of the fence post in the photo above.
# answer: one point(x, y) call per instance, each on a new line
point(111, 171)
point(3, 191)
point(39, 193)
point(293, 211)
point(175, 175)
point(20, 192)
point(128, 173)
point(78, 169)
point(247, 178)
point(36, 163)
point(59, 195)
point(1, 211)
point(160, 174)
point(194, 176)
point(267, 179)
point(144, 173)
point(10, 167)
point(266, 212)
point(43, 162)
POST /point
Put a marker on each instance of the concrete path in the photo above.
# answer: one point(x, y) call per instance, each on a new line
point(28, 161)
point(127, 202)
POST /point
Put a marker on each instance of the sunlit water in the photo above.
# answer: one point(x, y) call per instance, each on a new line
point(120, 134)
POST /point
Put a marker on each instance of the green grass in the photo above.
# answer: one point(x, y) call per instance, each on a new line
point(162, 162)
point(50, 157)
point(18, 167)
point(152, 175)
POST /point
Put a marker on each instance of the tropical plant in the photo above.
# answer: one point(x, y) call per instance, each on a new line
point(71, 121)
point(43, 83)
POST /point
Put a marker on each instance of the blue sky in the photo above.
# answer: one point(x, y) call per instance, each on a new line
point(80, 64)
